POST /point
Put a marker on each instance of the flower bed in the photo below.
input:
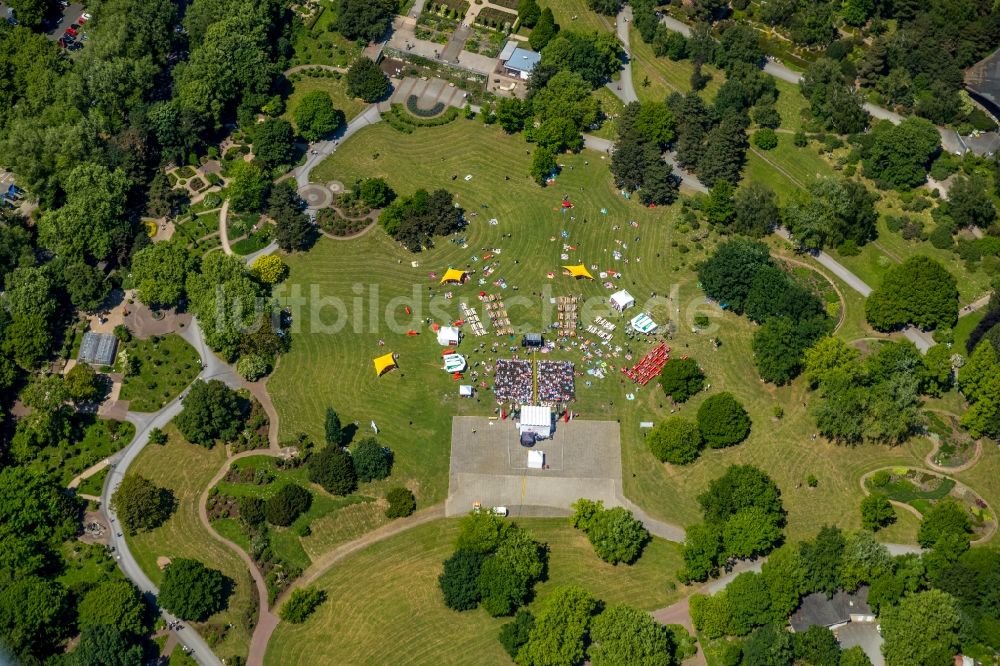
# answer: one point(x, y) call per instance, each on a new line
point(955, 447)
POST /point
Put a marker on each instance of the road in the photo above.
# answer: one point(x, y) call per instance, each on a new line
point(623, 88)
point(320, 150)
point(921, 339)
point(213, 368)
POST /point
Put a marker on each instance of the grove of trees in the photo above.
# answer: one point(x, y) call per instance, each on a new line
point(743, 518)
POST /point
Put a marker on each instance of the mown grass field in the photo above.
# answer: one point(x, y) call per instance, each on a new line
point(576, 15)
point(665, 76)
point(384, 605)
point(285, 541)
point(186, 469)
point(336, 88)
point(413, 405)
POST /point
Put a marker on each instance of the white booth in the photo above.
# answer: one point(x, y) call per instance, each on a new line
point(536, 459)
point(536, 420)
point(447, 336)
point(643, 323)
point(622, 300)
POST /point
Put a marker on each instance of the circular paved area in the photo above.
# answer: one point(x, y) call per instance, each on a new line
point(316, 195)
point(335, 186)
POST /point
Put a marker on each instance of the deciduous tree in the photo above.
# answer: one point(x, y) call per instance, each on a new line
point(141, 505)
point(212, 412)
point(723, 421)
point(192, 591)
point(366, 80)
point(676, 440)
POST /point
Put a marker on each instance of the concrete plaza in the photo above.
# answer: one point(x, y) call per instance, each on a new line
point(489, 465)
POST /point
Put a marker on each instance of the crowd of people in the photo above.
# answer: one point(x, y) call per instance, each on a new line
point(555, 381)
point(512, 381)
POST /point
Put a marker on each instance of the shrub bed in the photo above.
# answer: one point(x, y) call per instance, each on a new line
point(335, 224)
point(411, 106)
point(497, 19)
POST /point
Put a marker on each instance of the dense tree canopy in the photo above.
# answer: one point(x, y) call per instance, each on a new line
point(192, 591)
point(141, 505)
point(561, 625)
point(920, 292)
point(675, 440)
point(615, 533)
point(624, 636)
point(416, 219)
point(922, 629)
point(899, 154)
point(212, 412)
point(723, 421)
point(117, 603)
point(372, 461)
point(682, 378)
point(315, 116)
point(334, 469)
point(290, 502)
point(366, 80)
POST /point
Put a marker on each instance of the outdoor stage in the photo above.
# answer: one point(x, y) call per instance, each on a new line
point(489, 465)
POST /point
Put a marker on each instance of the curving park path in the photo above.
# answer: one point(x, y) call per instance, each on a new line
point(212, 368)
point(959, 486)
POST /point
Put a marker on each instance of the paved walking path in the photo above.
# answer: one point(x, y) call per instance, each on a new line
point(623, 87)
point(323, 149)
point(212, 368)
point(266, 620)
point(921, 339)
point(950, 140)
point(224, 227)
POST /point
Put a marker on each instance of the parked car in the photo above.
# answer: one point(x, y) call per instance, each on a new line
point(70, 31)
point(75, 46)
point(86, 16)
point(74, 26)
point(68, 38)
point(81, 20)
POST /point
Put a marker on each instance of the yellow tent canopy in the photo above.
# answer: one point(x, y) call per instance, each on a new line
point(452, 275)
point(578, 271)
point(384, 363)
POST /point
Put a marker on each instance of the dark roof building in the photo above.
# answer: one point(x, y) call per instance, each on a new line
point(842, 608)
point(98, 348)
point(982, 80)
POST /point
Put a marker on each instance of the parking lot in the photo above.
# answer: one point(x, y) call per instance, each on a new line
point(55, 29)
point(489, 465)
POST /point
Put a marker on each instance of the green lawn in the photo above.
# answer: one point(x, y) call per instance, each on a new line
point(576, 15)
point(285, 540)
point(786, 169)
point(336, 88)
point(335, 369)
point(86, 566)
point(375, 593)
point(167, 364)
point(93, 440)
point(94, 485)
point(612, 108)
point(665, 76)
point(890, 248)
point(327, 369)
point(186, 469)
